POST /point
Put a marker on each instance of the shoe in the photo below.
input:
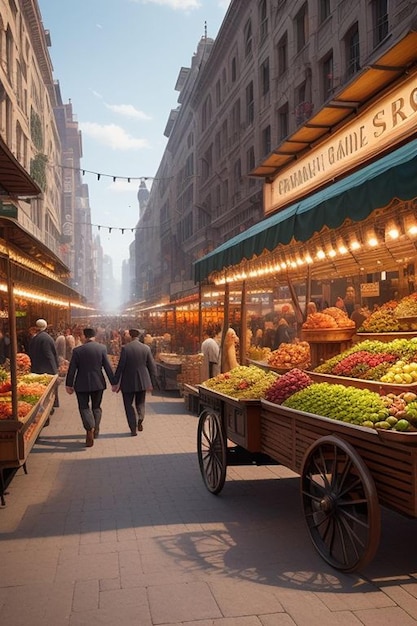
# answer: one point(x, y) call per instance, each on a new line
point(140, 427)
point(89, 438)
point(96, 433)
point(133, 433)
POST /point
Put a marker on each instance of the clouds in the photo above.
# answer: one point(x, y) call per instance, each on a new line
point(181, 5)
point(112, 136)
point(128, 110)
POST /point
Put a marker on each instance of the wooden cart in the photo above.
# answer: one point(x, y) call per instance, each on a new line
point(17, 437)
point(347, 471)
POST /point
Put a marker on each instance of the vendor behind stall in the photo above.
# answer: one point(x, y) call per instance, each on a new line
point(211, 355)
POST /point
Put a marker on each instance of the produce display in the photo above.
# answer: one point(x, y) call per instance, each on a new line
point(242, 382)
point(30, 387)
point(357, 406)
point(392, 316)
point(256, 353)
point(389, 362)
point(290, 355)
point(286, 385)
point(330, 318)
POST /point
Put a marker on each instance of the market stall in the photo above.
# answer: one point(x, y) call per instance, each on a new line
point(340, 230)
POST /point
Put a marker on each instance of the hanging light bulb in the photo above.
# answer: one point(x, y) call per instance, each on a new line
point(341, 246)
point(410, 225)
point(371, 238)
point(391, 230)
point(320, 253)
point(354, 243)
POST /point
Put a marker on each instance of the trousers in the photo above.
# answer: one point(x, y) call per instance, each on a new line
point(138, 399)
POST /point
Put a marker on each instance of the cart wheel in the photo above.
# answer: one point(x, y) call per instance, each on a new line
point(340, 504)
point(211, 449)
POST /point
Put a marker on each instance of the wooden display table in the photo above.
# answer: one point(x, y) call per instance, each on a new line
point(327, 343)
point(17, 437)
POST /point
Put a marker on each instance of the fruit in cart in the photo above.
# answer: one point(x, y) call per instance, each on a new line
point(372, 359)
point(242, 382)
point(286, 385)
point(290, 355)
point(23, 362)
point(348, 404)
point(401, 373)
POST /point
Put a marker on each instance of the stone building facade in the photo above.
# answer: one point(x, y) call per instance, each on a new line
point(43, 135)
point(274, 65)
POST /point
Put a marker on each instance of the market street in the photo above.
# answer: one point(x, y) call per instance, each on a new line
point(125, 532)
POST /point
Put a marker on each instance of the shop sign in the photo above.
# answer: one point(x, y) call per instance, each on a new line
point(369, 290)
point(380, 126)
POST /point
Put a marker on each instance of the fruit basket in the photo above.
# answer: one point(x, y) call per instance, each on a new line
point(329, 335)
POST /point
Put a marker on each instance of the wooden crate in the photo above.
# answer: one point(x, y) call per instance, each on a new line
point(390, 456)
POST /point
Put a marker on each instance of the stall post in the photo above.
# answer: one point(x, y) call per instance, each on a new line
point(225, 318)
point(13, 337)
point(243, 325)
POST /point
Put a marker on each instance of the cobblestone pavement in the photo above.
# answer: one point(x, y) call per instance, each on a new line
point(126, 533)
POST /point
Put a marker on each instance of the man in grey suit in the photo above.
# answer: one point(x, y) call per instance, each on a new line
point(135, 374)
point(85, 377)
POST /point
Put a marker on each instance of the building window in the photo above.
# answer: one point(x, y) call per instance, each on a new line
point(352, 51)
point(206, 113)
point(263, 21)
point(237, 174)
point(236, 120)
point(217, 146)
point(218, 93)
point(380, 20)
point(234, 70)
point(250, 104)
point(265, 77)
point(283, 121)
point(248, 38)
point(250, 164)
point(324, 10)
point(250, 159)
point(283, 55)
point(266, 140)
point(304, 108)
point(327, 76)
point(301, 27)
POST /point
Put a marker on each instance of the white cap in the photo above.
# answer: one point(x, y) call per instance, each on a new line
point(41, 324)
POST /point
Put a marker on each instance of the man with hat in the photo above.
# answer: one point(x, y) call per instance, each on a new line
point(43, 354)
point(135, 374)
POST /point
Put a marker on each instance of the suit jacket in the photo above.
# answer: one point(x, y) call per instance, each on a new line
point(85, 371)
point(136, 369)
point(42, 353)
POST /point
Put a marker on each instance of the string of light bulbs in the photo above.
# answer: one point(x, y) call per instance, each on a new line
point(117, 228)
point(114, 177)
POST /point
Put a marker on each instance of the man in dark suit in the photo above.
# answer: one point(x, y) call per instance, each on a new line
point(85, 377)
point(43, 354)
point(135, 374)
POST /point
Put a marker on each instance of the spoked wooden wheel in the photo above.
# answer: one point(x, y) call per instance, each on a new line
point(212, 452)
point(340, 504)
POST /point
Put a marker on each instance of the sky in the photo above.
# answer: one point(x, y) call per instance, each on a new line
point(118, 61)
